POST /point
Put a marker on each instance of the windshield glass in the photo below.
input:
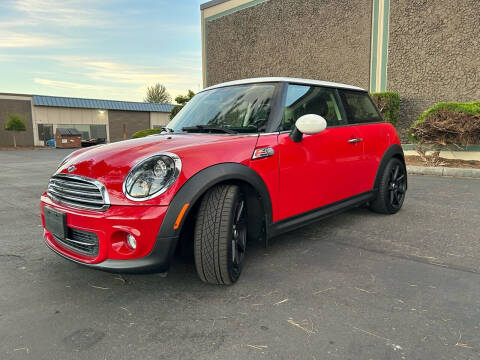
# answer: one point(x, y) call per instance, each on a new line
point(231, 109)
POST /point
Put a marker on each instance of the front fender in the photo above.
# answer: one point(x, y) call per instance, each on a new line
point(198, 184)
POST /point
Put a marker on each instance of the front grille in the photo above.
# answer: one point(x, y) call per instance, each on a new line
point(83, 242)
point(78, 191)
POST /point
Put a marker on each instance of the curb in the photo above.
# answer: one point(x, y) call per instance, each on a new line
point(443, 171)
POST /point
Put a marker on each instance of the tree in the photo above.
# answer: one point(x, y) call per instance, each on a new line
point(181, 100)
point(15, 123)
point(157, 94)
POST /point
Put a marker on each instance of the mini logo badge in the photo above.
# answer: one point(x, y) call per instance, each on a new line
point(71, 168)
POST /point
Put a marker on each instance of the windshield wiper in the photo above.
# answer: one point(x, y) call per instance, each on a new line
point(209, 128)
point(166, 129)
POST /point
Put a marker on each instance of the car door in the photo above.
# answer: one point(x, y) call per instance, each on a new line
point(322, 168)
point(362, 113)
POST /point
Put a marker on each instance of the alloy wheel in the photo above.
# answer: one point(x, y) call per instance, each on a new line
point(239, 234)
point(397, 186)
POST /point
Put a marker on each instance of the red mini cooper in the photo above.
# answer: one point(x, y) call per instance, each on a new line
point(243, 160)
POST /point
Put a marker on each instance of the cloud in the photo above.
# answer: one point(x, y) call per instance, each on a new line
point(102, 70)
point(69, 13)
point(105, 78)
point(11, 39)
point(69, 85)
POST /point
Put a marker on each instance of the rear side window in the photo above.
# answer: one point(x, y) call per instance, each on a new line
point(359, 107)
point(303, 99)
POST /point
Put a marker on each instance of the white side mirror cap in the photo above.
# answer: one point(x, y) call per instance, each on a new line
point(311, 124)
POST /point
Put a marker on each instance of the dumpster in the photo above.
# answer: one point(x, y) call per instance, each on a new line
point(67, 138)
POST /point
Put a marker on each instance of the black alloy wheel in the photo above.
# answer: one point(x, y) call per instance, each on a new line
point(397, 186)
point(239, 235)
point(392, 188)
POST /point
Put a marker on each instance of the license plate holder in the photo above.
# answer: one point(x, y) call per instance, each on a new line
point(56, 222)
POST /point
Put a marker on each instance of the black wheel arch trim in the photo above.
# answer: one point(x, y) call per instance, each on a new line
point(199, 183)
point(392, 151)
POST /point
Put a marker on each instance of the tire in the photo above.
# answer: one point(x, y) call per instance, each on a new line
point(220, 236)
point(392, 188)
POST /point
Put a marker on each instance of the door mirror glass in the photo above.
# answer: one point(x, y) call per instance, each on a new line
point(311, 124)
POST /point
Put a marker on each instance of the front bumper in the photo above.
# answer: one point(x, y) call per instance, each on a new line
point(153, 253)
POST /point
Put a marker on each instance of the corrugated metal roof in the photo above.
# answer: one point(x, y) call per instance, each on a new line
point(41, 100)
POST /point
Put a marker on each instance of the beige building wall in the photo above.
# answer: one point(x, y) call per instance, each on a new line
point(210, 13)
point(433, 54)
point(305, 39)
point(159, 119)
point(59, 116)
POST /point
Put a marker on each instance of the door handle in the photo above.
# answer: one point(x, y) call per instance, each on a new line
point(354, 140)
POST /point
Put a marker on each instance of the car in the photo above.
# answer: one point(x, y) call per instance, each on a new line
point(243, 161)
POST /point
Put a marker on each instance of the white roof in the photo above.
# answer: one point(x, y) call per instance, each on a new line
point(285, 79)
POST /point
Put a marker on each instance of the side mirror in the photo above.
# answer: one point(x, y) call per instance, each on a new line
point(308, 124)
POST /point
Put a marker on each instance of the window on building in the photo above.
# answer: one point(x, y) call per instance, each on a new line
point(98, 131)
point(359, 107)
point(304, 99)
point(45, 132)
point(87, 131)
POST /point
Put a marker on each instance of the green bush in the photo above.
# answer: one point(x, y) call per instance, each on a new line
point(146, 132)
point(445, 124)
point(468, 108)
point(388, 103)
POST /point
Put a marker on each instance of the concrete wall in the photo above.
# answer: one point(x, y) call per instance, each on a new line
point(159, 119)
point(318, 39)
point(134, 121)
point(20, 105)
point(58, 115)
point(426, 50)
point(433, 54)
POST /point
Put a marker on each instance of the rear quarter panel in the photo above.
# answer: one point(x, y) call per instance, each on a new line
point(377, 139)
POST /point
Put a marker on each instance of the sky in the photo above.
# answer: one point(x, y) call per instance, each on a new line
point(103, 49)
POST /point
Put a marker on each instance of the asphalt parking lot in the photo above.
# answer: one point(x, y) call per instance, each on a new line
point(356, 286)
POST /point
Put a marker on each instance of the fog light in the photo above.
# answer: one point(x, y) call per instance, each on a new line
point(131, 241)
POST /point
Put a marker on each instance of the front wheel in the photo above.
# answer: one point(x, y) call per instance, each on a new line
point(220, 238)
point(392, 188)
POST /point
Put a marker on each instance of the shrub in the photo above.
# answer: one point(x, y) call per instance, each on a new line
point(389, 105)
point(146, 132)
point(445, 124)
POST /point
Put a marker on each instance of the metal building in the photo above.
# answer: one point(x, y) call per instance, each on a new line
point(93, 118)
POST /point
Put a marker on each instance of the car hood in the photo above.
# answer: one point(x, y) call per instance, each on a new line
point(110, 163)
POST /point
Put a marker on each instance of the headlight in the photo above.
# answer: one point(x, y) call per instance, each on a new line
point(152, 176)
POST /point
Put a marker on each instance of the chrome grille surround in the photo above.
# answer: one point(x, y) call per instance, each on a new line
point(78, 191)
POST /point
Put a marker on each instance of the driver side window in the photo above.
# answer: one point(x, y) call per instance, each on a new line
point(303, 99)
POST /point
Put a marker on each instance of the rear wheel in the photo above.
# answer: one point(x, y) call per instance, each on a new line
point(221, 235)
point(392, 188)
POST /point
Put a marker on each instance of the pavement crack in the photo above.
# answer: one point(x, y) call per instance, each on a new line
point(409, 257)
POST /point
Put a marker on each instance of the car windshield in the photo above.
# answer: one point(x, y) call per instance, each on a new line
point(231, 109)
